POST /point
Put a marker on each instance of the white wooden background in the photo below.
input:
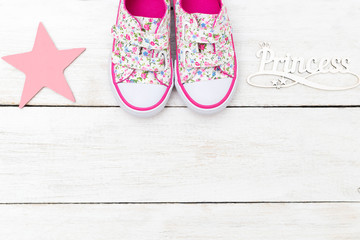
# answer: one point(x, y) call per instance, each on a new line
point(275, 165)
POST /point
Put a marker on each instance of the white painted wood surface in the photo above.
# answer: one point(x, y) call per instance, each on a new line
point(198, 222)
point(103, 154)
point(82, 153)
point(306, 28)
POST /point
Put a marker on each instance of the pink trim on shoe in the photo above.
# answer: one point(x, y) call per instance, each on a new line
point(205, 8)
point(116, 84)
point(137, 108)
point(152, 7)
point(182, 86)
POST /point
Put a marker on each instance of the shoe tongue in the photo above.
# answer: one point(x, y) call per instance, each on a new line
point(205, 21)
point(149, 24)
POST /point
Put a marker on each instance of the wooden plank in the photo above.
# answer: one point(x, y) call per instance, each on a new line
point(198, 222)
point(105, 155)
point(308, 28)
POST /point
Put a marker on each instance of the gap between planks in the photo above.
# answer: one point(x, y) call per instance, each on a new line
point(180, 203)
point(180, 107)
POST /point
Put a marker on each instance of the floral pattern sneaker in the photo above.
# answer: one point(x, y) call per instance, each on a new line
point(206, 67)
point(141, 66)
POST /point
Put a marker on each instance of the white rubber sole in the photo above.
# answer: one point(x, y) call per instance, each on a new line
point(137, 113)
point(204, 111)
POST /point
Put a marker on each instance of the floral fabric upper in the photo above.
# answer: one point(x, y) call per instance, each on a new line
point(141, 51)
point(205, 48)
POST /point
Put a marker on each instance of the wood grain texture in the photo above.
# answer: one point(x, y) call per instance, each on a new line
point(198, 222)
point(105, 155)
point(308, 28)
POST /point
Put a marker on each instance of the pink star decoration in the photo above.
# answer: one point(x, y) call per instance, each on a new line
point(44, 67)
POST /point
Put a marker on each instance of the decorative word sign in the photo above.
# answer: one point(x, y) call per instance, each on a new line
point(289, 71)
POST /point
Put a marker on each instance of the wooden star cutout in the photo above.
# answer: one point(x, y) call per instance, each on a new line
point(44, 67)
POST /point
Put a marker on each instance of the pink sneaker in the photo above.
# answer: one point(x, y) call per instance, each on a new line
point(141, 66)
point(206, 64)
